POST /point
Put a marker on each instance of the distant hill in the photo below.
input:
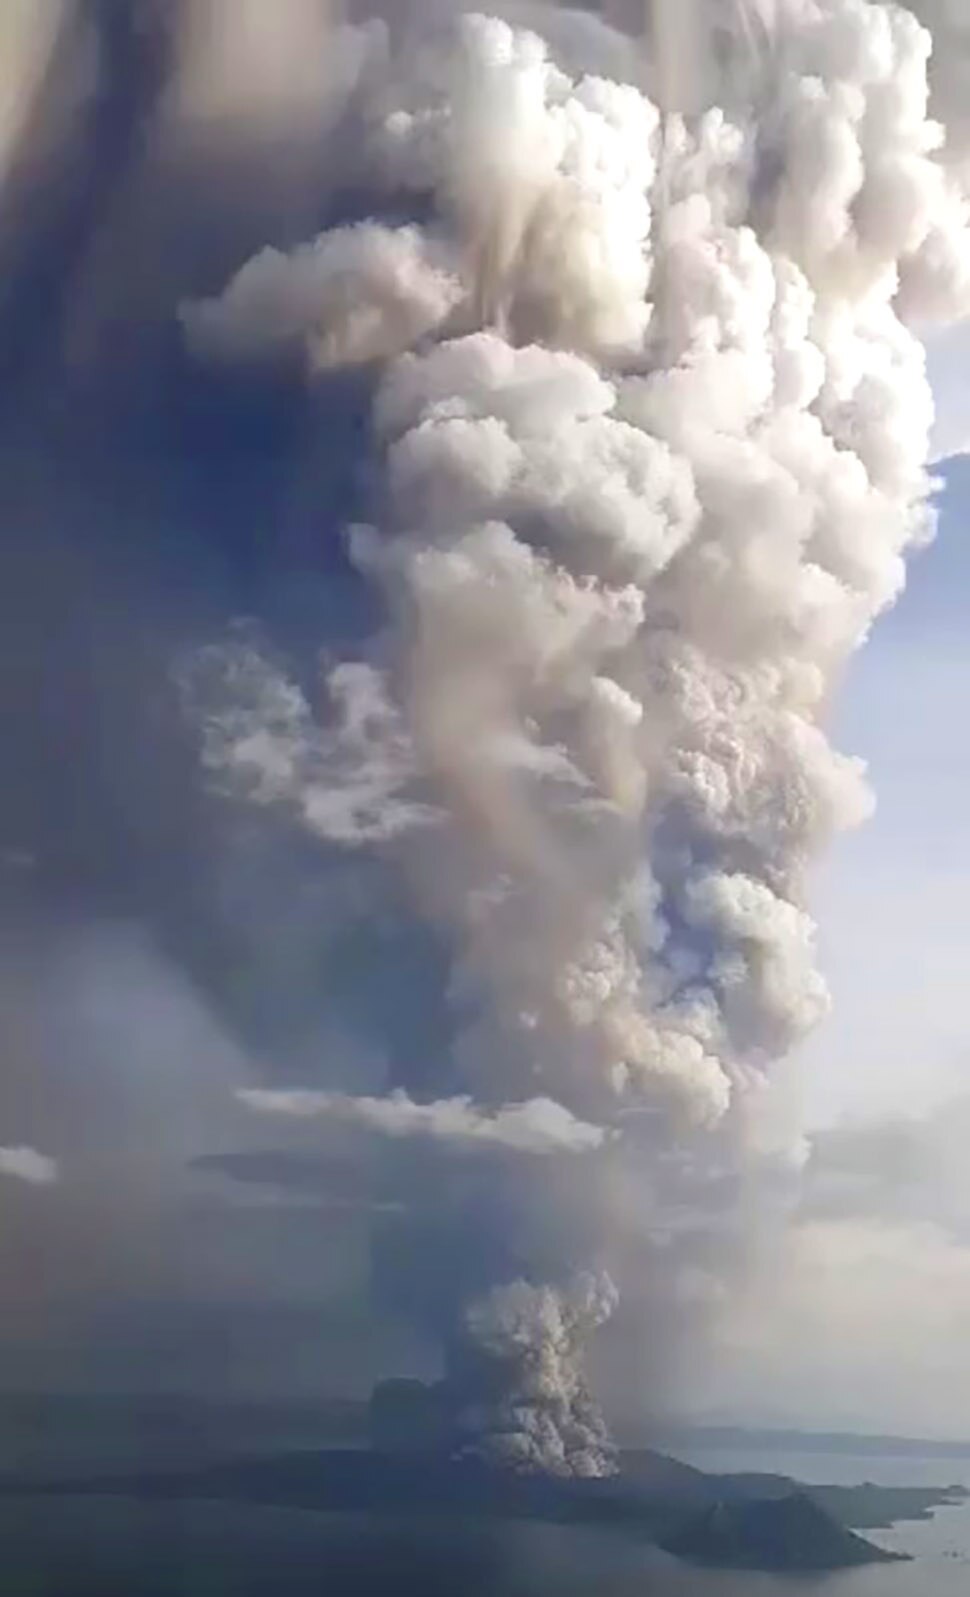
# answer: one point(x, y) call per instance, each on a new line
point(742, 1438)
point(791, 1532)
point(869, 1507)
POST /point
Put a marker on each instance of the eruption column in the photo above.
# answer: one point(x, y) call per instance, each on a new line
point(629, 533)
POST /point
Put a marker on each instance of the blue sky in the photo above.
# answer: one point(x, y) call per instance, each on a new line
point(892, 897)
point(857, 1318)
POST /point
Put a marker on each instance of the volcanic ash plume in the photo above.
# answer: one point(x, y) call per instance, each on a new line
point(517, 1363)
point(652, 420)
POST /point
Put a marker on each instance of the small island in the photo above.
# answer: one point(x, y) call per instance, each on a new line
point(792, 1532)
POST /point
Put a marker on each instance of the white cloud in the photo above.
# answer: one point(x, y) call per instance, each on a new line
point(539, 1126)
point(26, 1164)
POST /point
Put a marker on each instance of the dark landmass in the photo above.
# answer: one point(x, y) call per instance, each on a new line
point(398, 1484)
point(869, 1507)
point(752, 1522)
point(863, 1507)
point(781, 1533)
point(389, 1458)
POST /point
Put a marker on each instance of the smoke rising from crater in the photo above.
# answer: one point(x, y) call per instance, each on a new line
point(517, 1364)
point(649, 430)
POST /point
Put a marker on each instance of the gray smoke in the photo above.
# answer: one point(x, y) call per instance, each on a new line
point(650, 431)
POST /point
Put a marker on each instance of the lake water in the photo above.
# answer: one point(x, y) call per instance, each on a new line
point(114, 1547)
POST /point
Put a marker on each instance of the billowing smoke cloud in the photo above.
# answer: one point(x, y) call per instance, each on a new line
point(517, 1362)
point(356, 295)
point(650, 426)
